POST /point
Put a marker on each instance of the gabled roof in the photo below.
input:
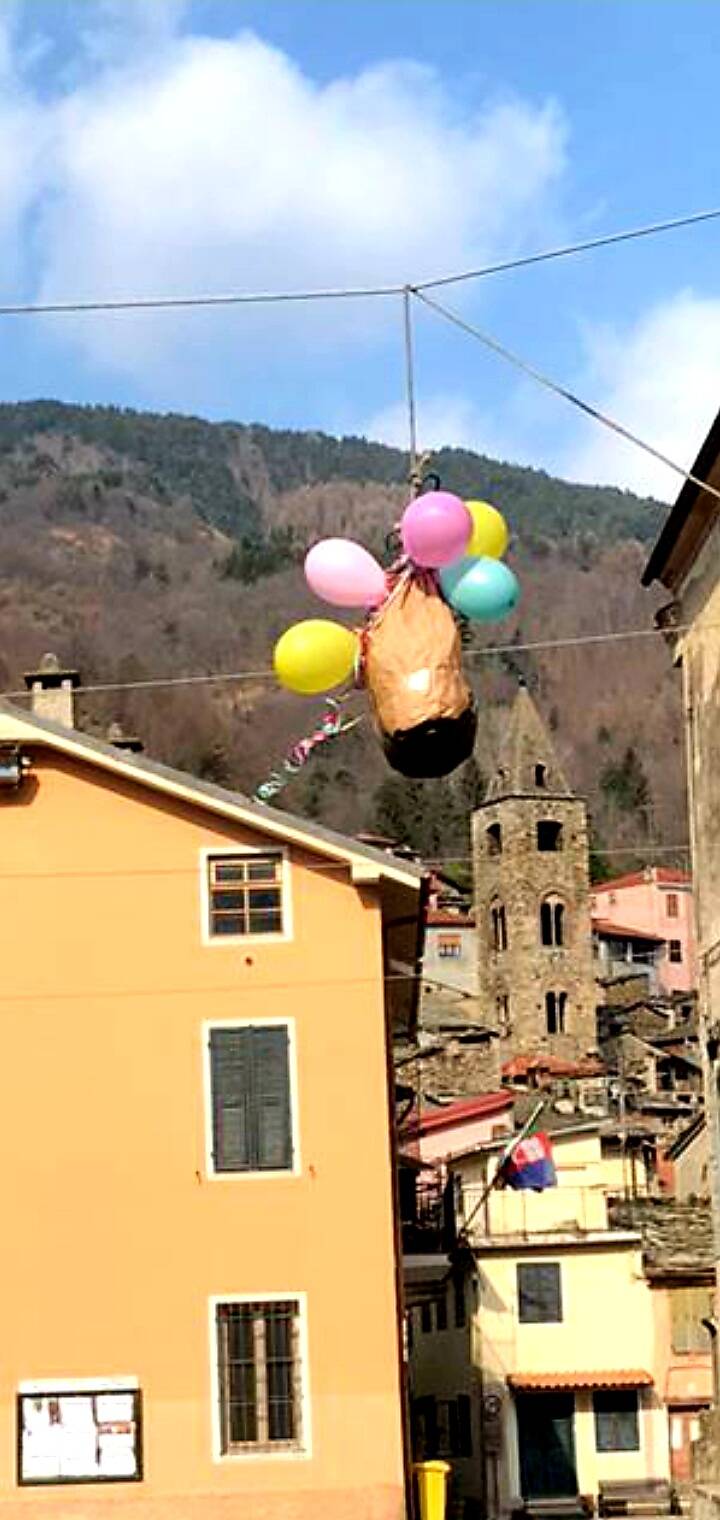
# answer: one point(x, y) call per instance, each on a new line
point(482, 1107)
point(690, 520)
point(663, 876)
point(366, 865)
point(525, 745)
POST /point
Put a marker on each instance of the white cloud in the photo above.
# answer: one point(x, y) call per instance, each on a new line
point(185, 163)
point(661, 379)
point(445, 421)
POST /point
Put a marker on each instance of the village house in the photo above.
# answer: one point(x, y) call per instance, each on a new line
point(200, 1283)
point(686, 561)
point(650, 913)
point(678, 1263)
point(564, 1394)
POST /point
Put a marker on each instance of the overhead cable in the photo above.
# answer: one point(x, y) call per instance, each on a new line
point(265, 298)
point(563, 252)
point(560, 390)
point(217, 677)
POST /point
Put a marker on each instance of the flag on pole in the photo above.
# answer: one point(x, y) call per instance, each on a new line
point(530, 1164)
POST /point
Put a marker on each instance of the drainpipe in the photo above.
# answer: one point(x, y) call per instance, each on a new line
point(711, 1325)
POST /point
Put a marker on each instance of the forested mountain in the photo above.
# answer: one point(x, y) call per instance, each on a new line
point(139, 546)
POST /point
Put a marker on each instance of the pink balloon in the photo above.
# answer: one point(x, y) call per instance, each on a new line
point(436, 529)
point(344, 573)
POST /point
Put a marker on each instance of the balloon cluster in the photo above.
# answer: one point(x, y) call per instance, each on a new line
point(462, 543)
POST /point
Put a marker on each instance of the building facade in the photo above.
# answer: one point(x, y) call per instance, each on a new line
point(656, 905)
point(564, 1376)
point(536, 979)
point(200, 1304)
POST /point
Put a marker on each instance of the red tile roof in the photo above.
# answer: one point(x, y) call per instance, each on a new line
point(521, 1066)
point(605, 926)
point(538, 1382)
point(663, 876)
point(482, 1107)
point(443, 918)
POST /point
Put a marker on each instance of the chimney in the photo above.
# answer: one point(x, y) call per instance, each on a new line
point(52, 691)
point(120, 740)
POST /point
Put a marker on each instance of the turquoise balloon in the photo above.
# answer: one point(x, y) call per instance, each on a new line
point(482, 589)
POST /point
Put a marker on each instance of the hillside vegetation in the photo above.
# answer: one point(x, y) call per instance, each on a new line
point(138, 546)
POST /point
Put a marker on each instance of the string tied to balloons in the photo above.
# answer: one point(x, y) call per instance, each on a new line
point(331, 724)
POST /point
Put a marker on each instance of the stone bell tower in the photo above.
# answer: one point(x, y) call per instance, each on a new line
point(532, 898)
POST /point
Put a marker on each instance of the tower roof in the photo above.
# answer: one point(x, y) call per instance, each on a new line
point(527, 763)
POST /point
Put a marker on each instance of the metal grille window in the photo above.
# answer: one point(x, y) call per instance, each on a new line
point(539, 1297)
point(250, 1097)
point(245, 894)
point(616, 1420)
point(259, 1376)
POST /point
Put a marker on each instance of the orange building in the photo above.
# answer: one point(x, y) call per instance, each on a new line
point(199, 1268)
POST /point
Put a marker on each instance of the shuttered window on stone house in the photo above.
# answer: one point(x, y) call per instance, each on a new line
point(689, 1306)
point(250, 1097)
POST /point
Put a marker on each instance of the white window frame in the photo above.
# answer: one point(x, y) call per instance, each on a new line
point(265, 1176)
point(302, 1453)
point(233, 941)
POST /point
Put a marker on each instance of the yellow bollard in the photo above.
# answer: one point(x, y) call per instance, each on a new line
point(432, 1488)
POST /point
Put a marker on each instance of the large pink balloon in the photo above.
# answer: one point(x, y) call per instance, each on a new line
point(436, 529)
point(344, 573)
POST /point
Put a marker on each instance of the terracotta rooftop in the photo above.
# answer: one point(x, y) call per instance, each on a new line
point(664, 876)
point(616, 931)
point(539, 1382)
point(444, 918)
point(481, 1107)
point(521, 1066)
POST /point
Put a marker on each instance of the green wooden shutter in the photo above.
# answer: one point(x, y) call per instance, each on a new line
point(271, 1093)
point(231, 1082)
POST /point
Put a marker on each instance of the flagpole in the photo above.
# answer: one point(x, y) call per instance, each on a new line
point(504, 1156)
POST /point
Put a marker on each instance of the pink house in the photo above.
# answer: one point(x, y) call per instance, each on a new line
point(656, 903)
point(437, 1134)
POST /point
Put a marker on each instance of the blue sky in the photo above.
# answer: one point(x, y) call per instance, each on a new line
point(154, 146)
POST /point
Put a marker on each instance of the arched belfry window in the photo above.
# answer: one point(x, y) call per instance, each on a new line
point(540, 774)
point(493, 836)
point(498, 924)
point(555, 1005)
point(552, 923)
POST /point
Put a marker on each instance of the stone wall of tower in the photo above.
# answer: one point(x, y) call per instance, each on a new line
point(519, 877)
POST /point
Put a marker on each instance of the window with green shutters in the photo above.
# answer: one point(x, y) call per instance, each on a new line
point(250, 1098)
point(689, 1306)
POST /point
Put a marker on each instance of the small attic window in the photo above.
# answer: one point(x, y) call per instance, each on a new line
point(540, 774)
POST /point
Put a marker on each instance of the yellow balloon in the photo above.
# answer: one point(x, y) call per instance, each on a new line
point(314, 656)
point(490, 535)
